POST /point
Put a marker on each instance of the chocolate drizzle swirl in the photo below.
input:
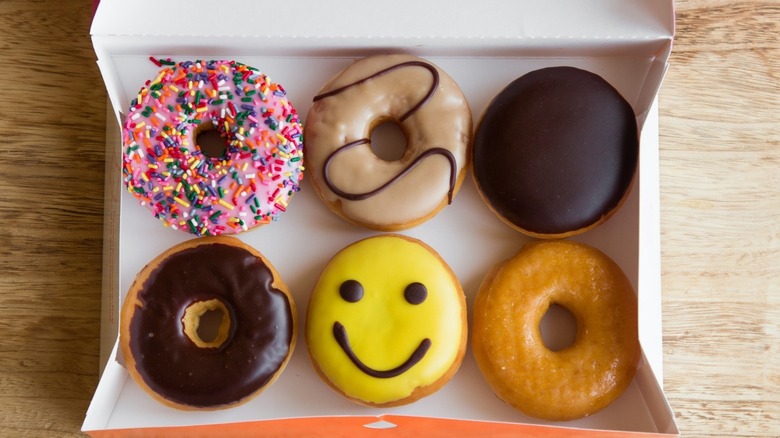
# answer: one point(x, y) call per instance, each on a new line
point(340, 333)
point(365, 195)
point(433, 151)
point(425, 99)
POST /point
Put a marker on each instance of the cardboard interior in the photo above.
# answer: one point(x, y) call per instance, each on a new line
point(483, 49)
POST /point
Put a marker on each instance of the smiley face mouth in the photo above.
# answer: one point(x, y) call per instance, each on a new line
point(340, 333)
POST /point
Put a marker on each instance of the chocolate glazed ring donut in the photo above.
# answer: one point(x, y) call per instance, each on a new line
point(364, 188)
point(165, 353)
point(555, 152)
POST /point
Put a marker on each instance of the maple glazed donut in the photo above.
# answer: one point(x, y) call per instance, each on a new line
point(351, 179)
point(167, 355)
point(581, 378)
point(251, 167)
point(555, 152)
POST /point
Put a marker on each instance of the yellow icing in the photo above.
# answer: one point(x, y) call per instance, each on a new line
point(383, 328)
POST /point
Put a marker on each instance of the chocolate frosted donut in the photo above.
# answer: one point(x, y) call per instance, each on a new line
point(164, 351)
point(556, 151)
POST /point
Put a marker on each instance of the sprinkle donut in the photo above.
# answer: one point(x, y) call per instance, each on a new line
point(351, 179)
point(245, 181)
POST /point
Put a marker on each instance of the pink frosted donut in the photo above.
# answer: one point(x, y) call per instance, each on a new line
point(207, 191)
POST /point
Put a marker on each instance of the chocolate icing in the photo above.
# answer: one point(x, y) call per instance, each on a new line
point(340, 333)
point(359, 196)
point(258, 343)
point(425, 65)
point(556, 150)
point(351, 291)
point(415, 293)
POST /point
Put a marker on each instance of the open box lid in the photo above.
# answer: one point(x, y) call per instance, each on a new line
point(491, 28)
point(125, 33)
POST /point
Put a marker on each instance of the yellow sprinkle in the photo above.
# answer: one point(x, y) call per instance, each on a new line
point(178, 186)
point(144, 177)
point(202, 109)
point(225, 204)
point(184, 203)
point(173, 88)
point(156, 189)
point(246, 164)
point(168, 188)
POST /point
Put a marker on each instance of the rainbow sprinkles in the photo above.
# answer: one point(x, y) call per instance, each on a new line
point(249, 184)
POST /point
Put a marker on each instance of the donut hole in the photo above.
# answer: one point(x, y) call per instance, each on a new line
point(210, 142)
point(388, 141)
point(558, 328)
point(207, 323)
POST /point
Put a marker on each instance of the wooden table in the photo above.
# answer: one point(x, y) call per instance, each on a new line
point(720, 201)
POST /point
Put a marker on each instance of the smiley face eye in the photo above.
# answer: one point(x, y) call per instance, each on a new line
point(351, 291)
point(415, 293)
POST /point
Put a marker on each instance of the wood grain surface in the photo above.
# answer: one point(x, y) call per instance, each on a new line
point(720, 201)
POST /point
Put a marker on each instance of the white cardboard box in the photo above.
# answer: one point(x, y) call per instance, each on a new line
point(301, 45)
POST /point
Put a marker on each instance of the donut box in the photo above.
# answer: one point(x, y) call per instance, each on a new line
point(302, 45)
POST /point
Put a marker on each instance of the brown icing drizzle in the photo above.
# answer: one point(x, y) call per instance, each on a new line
point(261, 327)
point(433, 151)
point(360, 196)
point(428, 95)
point(340, 333)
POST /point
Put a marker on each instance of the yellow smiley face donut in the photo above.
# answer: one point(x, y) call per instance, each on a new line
point(351, 179)
point(386, 323)
point(580, 379)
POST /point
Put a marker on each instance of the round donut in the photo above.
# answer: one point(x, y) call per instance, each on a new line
point(251, 167)
point(577, 380)
point(164, 352)
point(555, 152)
point(360, 186)
point(386, 323)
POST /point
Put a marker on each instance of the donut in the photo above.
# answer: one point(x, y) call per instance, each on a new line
point(360, 186)
point(555, 152)
point(386, 322)
point(167, 355)
point(581, 378)
point(212, 147)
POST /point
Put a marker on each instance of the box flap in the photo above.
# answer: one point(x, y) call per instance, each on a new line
point(417, 20)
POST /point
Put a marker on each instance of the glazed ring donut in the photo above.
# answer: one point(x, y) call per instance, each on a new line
point(353, 181)
point(580, 379)
point(167, 356)
point(253, 164)
point(555, 152)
